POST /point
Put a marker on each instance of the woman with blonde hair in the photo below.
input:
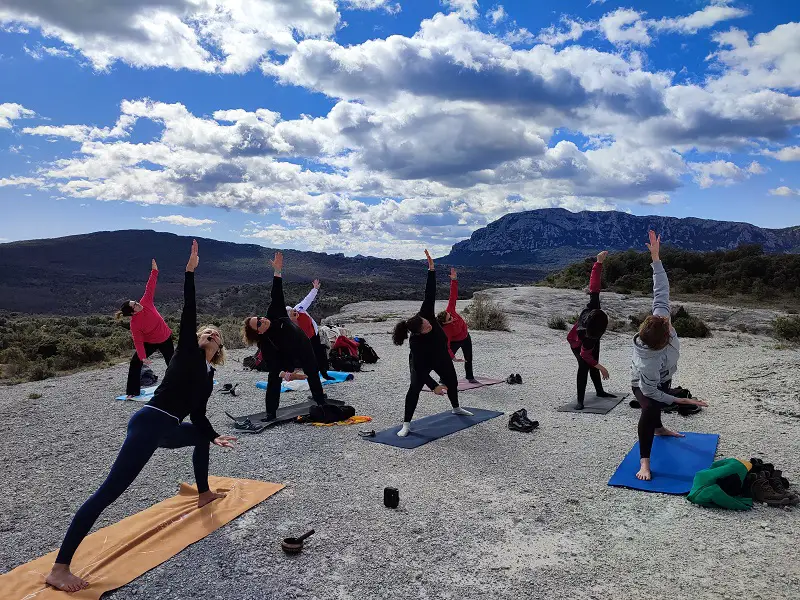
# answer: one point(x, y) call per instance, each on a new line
point(184, 391)
point(656, 349)
point(149, 331)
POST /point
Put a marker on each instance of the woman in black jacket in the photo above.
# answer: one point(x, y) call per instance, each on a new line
point(428, 352)
point(184, 391)
point(284, 346)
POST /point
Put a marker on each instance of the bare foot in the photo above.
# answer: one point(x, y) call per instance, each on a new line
point(644, 472)
point(668, 432)
point(62, 579)
point(207, 497)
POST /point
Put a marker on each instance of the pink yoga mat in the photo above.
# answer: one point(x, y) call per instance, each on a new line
point(464, 385)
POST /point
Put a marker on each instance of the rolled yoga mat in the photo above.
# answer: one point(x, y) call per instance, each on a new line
point(673, 463)
point(302, 384)
point(432, 428)
point(464, 385)
point(116, 555)
point(594, 405)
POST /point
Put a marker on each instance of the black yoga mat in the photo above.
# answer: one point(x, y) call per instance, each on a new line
point(285, 413)
point(594, 405)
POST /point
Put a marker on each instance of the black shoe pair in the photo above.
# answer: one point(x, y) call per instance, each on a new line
point(511, 379)
point(229, 389)
point(519, 421)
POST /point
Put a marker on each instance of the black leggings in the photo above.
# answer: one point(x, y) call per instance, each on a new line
point(585, 371)
point(322, 355)
point(422, 376)
point(306, 361)
point(134, 385)
point(148, 429)
point(466, 347)
point(649, 420)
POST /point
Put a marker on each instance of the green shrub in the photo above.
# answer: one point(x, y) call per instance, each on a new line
point(691, 327)
point(556, 322)
point(485, 315)
point(40, 370)
point(34, 396)
point(787, 328)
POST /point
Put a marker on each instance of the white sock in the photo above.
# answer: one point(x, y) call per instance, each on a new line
point(460, 411)
point(404, 431)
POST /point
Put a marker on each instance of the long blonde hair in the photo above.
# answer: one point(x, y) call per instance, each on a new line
point(219, 357)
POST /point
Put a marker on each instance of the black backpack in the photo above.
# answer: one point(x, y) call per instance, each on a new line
point(147, 377)
point(330, 413)
point(342, 360)
point(366, 353)
point(255, 362)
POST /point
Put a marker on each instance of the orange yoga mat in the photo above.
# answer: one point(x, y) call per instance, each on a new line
point(118, 554)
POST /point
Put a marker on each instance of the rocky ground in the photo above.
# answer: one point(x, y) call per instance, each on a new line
point(485, 513)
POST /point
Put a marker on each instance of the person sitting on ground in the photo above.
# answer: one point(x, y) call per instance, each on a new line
point(656, 349)
point(284, 346)
point(185, 390)
point(455, 328)
point(428, 352)
point(149, 331)
point(584, 338)
point(299, 315)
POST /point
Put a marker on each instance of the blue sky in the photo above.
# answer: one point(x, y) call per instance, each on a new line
point(380, 127)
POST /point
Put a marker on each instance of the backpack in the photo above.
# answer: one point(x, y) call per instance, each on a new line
point(147, 377)
point(255, 362)
point(366, 352)
point(330, 413)
point(341, 360)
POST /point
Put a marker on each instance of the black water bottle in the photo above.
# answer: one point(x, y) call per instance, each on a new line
point(391, 497)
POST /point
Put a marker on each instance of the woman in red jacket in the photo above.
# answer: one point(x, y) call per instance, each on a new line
point(584, 338)
point(149, 332)
point(456, 329)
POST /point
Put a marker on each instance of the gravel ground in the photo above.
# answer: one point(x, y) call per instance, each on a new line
point(485, 513)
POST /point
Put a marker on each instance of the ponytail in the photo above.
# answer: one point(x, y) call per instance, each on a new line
point(118, 315)
point(400, 333)
point(124, 311)
point(404, 328)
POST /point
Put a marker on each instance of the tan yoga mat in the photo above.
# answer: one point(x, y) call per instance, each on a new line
point(118, 554)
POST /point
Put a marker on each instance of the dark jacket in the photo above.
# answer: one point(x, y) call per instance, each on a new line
point(284, 342)
point(187, 384)
point(433, 347)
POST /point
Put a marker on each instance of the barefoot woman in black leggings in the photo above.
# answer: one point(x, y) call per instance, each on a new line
point(184, 391)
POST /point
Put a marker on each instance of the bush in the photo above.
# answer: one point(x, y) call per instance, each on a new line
point(485, 315)
point(34, 396)
point(691, 327)
point(556, 322)
point(787, 328)
point(40, 370)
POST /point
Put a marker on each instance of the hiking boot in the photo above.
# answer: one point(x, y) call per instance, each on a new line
point(747, 484)
point(517, 378)
point(516, 424)
point(688, 409)
point(511, 379)
point(776, 481)
point(763, 491)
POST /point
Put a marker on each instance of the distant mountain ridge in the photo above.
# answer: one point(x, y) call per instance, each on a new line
point(553, 237)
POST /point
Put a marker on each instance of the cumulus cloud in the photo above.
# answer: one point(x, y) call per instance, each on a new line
point(11, 112)
point(201, 35)
point(702, 19)
point(784, 191)
point(180, 220)
point(497, 14)
point(467, 9)
point(720, 172)
point(656, 199)
point(786, 154)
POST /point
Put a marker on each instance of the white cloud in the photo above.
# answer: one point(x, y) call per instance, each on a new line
point(22, 182)
point(784, 191)
point(720, 172)
point(179, 220)
point(702, 19)
point(467, 9)
point(624, 26)
point(40, 52)
point(202, 35)
point(15, 149)
point(11, 112)
point(656, 199)
point(497, 14)
point(555, 37)
point(787, 154)
point(80, 133)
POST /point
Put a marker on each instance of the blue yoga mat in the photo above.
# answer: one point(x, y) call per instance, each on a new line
point(673, 463)
point(432, 428)
point(338, 377)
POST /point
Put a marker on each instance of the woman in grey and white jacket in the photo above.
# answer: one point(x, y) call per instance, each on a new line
point(656, 349)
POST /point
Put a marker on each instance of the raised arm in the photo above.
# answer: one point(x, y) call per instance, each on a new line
point(306, 302)
point(595, 281)
point(660, 280)
point(150, 288)
point(277, 305)
point(188, 330)
point(428, 305)
point(451, 303)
